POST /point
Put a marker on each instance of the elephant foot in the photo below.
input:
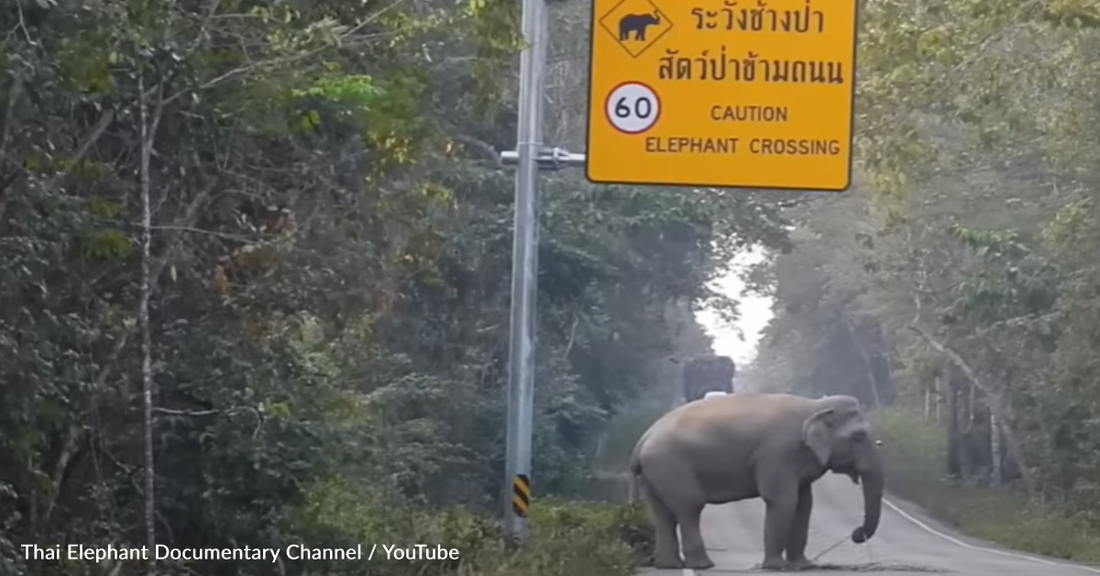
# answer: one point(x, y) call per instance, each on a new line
point(668, 562)
point(799, 563)
point(699, 563)
point(774, 564)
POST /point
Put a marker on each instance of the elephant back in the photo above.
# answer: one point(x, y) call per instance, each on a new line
point(708, 373)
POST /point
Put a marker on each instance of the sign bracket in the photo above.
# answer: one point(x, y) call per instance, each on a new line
point(549, 158)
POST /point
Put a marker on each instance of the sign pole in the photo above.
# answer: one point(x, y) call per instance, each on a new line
point(521, 353)
point(672, 108)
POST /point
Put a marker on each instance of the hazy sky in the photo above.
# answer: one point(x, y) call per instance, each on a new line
point(755, 314)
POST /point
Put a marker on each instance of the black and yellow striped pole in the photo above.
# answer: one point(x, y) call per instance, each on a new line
point(521, 495)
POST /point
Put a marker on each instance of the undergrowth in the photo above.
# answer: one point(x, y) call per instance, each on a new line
point(915, 454)
point(567, 538)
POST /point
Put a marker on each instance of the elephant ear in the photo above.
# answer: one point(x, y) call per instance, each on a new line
point(816, 434)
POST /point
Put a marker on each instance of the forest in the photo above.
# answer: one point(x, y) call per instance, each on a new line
point(956, 286)
point(255, 260)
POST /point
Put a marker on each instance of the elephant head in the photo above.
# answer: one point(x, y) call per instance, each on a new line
point(839, 436)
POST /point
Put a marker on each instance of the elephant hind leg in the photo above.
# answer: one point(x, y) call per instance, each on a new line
point(682, 498)
point(667, 550)
point(695, 551)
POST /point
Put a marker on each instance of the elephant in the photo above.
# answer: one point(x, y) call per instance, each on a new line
point(637, 23)
point(753, 445)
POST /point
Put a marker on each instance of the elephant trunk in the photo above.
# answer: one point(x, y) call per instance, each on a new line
point(874, 482)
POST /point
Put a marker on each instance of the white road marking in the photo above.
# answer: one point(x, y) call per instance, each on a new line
point(957, 542)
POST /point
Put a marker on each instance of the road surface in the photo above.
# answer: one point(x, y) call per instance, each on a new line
point(907, 542)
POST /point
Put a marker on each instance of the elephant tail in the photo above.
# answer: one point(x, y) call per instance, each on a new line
point(635, 474)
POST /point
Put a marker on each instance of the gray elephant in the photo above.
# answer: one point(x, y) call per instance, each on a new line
point(749, 445)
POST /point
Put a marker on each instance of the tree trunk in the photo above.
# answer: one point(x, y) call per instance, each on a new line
point(149, 122)
point(940, 396)
point(996, 475)
point(996, 405)
point(954, 470)
point(965, 405)
point(869, 368)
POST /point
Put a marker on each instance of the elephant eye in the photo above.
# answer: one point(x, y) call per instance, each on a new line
point(859, 435)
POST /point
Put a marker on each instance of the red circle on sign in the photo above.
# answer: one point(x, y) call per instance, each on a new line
point(611, 94)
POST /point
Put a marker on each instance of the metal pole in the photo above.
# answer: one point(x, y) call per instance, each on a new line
point(521, 354)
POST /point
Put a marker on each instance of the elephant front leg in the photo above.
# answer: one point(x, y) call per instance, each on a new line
point(781, 505)
point(800, 528)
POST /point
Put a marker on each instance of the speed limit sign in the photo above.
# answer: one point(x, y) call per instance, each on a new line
point(632, 107)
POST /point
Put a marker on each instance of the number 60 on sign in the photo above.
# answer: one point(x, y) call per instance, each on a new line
point(632, 108)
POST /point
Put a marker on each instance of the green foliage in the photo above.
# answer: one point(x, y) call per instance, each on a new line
point(623, 523)
point(329, 300)
point(1012, 283)
point(914, 451)
point(106, 245)
point(960, 274)
point(567, 537)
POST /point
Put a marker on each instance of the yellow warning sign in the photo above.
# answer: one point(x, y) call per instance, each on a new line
point(722, 93)
point(636, 25)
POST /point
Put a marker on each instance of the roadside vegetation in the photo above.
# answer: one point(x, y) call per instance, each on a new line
point(255, 261)
point(915, 452)
point(956, 288)
point(254, 288)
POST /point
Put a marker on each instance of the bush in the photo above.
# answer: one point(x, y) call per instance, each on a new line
point(626, 523)
point(567, 538)
point(914, 452)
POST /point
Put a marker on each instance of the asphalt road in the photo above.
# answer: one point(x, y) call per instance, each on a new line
point(907, 542)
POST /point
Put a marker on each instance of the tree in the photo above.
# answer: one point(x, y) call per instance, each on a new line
point(975, 175)
point(290, 207)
